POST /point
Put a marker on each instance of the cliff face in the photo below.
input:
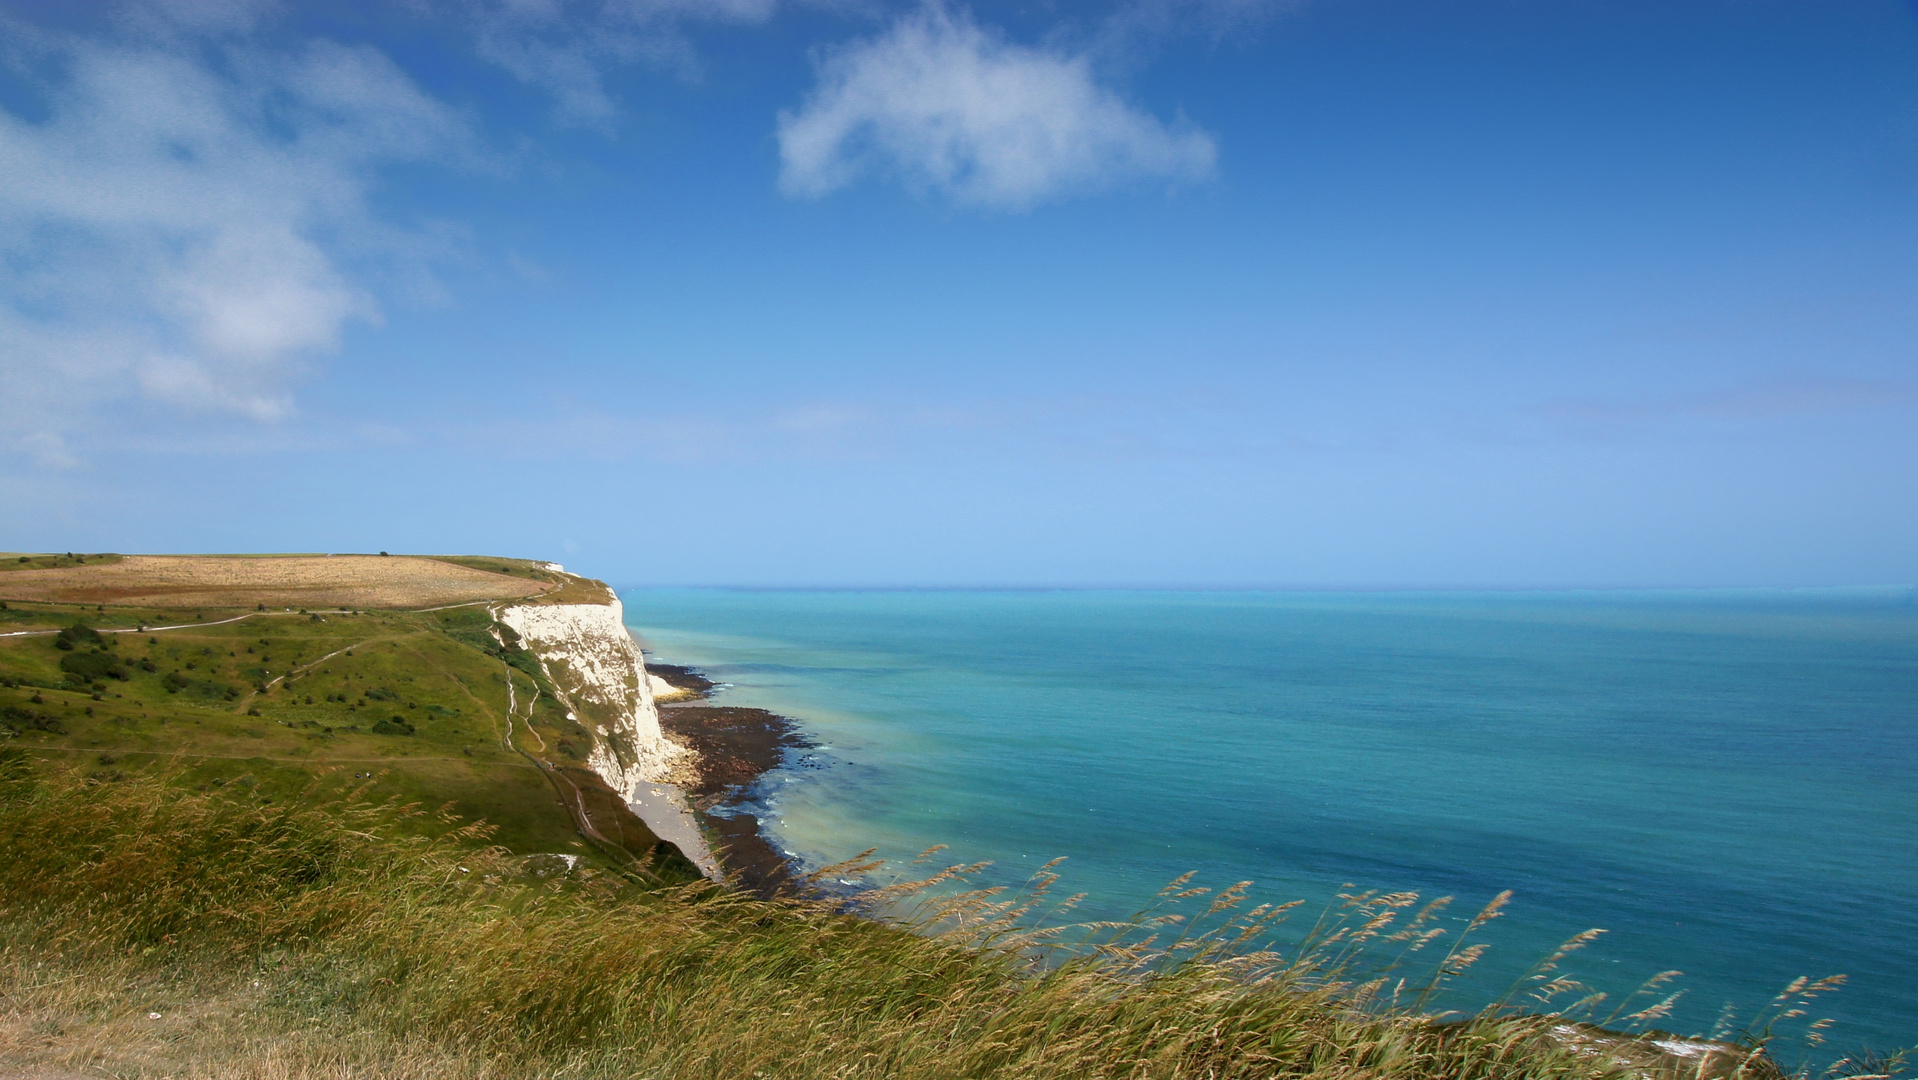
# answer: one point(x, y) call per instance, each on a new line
point(601, 678)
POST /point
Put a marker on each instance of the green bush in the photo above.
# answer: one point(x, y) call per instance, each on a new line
point(77, 634)
point(16, 719)
point(394, 726)
point(93, 665)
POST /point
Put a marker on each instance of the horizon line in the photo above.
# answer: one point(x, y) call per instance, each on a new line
point(1114, 587)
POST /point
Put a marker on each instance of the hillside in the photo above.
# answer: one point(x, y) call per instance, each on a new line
point(270, 672)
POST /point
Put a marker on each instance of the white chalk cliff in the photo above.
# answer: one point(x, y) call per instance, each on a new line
point(601, 678)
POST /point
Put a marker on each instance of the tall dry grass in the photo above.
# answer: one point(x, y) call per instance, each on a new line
point(154, 930)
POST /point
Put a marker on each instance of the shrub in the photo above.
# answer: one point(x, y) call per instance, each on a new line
point(94, 665)
point(16, 719)
point(77, 634)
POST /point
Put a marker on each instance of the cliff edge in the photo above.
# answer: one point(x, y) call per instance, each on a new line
point(598, 675)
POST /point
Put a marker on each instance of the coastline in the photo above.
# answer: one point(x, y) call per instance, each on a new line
point(736, 747)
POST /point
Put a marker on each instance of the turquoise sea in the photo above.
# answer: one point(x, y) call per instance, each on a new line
point(1725, 781)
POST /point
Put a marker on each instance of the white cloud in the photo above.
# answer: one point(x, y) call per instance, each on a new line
point(188, 224)
point(947, 106)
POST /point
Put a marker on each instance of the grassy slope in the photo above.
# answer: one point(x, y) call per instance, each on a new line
point(195, 692)
point(152, 930)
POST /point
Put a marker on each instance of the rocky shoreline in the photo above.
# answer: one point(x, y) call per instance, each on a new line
point(735, 747)
point(689, 769)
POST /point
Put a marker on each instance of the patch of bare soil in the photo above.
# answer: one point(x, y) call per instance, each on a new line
point(308, 581)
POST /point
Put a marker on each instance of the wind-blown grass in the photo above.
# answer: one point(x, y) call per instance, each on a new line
point(158, 930)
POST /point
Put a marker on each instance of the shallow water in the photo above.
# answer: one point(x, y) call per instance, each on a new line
point(1725, 780)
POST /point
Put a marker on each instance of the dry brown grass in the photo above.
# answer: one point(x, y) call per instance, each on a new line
point(311, 581)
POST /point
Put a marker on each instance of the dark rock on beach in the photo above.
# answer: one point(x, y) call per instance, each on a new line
point(736, 747)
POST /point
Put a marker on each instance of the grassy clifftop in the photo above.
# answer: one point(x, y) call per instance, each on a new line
point(258, 694)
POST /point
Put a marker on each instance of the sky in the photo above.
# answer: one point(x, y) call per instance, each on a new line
point(1193, 293)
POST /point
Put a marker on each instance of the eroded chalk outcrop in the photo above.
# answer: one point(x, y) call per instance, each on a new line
point(600, 675)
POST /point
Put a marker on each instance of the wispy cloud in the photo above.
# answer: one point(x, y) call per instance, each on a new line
point(188, 222)
point(947, 106)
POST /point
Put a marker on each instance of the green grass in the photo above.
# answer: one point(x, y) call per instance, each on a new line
point(150, 926)
point(415, 700)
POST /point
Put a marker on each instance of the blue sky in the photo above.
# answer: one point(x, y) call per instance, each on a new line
point(1334, 293)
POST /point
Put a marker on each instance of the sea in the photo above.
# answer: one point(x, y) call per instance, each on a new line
point(1725, 781)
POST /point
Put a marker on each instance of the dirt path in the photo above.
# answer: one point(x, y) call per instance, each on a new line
point(249, 615)
point(241, 705)
point(486, 707)
point(157, 629)
point(582, 818)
